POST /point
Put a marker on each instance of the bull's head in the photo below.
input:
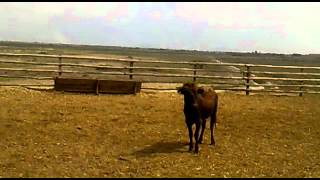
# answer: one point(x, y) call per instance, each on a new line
point(187, 88)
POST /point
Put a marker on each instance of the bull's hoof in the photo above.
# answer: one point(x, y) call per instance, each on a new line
point(213, 142)
point(196, 150)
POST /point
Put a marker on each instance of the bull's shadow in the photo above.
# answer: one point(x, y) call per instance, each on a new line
point(162, 147)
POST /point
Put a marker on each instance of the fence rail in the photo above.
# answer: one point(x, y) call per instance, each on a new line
point(246, 78)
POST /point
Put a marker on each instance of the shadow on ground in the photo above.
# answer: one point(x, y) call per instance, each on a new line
point(162, 147)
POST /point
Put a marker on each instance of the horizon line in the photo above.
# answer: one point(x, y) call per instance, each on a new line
point(155, 48)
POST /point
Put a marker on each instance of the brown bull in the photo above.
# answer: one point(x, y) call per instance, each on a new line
point(199, 104)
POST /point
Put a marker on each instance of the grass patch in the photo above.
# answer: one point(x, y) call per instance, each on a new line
point(51, 134)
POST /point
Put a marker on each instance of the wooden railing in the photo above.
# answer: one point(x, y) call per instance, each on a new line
point(241, 77)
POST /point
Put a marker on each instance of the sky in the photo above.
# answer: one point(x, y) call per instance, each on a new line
point(268, 27)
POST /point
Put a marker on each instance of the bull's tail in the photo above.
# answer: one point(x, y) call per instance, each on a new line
point(214, 113)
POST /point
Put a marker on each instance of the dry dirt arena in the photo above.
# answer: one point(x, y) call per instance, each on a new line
point(55, 134)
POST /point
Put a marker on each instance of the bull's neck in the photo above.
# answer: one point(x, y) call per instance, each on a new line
point(189, 99)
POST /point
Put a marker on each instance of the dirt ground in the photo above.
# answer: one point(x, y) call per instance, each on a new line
point(55, 134)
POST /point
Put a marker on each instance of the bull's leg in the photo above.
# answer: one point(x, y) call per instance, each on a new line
point(196, 136)
point(202, 130)
point(212, 123)
point(190, 137)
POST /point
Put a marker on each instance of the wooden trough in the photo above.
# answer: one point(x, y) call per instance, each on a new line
point(96, 86)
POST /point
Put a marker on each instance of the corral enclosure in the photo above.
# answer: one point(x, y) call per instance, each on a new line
point(54, 134)
point(249, 72)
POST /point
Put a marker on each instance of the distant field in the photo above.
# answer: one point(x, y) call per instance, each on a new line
point(172, 55)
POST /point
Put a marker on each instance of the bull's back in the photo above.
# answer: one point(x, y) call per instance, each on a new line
point(207, 102)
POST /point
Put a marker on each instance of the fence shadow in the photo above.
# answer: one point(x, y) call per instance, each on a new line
point(162, 147)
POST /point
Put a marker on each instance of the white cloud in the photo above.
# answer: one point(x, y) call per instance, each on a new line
point(31, 21)
point(283, 27)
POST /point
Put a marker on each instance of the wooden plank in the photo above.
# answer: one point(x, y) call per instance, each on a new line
point(283, 73)
point(282, 79)
point(97, 86)
point(75, 85)
point(285, 91)
point(156, 61)
point(155, 68)
point(119, 87)
point(285, 85)
point(33, 63)
point(27, 77)
point(185, 75)
point(27, 70)
point(101, 67)
point(26, 84)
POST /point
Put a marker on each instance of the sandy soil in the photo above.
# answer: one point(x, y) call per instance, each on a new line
point(54, 134)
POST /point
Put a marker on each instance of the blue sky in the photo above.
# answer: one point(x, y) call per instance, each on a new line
point(286, 27)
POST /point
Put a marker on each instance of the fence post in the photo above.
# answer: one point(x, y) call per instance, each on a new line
point(301, 83)
point(248, 79)
point(131, 70)
point(97, 87)
point(60, 65)
point(194, 72)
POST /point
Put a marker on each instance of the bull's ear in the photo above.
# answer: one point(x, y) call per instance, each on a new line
point(200, 91)
point(179, 89)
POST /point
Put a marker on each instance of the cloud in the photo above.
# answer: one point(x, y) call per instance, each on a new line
point(292, 25)
point(37, 21)
point(247, 26)
point(228, 15)
point(157, 15)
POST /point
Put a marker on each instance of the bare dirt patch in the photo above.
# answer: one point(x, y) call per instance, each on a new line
point(54, 134)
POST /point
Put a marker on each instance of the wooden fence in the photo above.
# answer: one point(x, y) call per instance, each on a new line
point(223, 76)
